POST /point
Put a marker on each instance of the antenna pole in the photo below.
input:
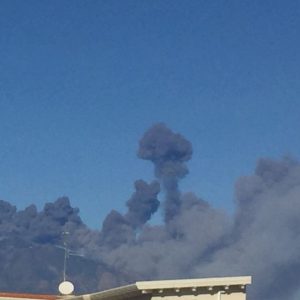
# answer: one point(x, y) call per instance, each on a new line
point(65, 233)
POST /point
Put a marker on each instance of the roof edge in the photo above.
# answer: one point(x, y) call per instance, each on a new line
point(140, 287)
point(189, 283)
point(27, 296)
point(119, 292)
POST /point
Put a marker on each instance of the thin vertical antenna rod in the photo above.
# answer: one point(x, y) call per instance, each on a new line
point(65, 247)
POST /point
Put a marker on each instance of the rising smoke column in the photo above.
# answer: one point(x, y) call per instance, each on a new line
point(143, 203)
point(262, 237)
point(191, 229)
point(121, 229)
point(169, 152)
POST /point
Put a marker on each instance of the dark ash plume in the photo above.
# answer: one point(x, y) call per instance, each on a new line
point(169, 152)
point(118, 229)
point(143, 203)
point(29, 257)
point(262, 238)
point(266, 238)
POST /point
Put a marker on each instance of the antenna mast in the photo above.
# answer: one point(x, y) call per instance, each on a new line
point(66, 287)
point(66, 255)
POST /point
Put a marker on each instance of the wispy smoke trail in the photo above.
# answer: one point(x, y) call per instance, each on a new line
point(261, 239)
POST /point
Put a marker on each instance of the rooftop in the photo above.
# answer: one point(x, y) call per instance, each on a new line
point(147, 287)
point(160, 286)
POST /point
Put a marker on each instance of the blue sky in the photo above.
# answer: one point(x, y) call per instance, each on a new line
point(81, 81)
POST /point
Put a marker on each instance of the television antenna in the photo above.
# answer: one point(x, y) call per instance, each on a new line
point(66, 287)
point(66, 252)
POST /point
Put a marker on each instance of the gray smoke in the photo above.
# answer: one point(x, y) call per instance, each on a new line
point(121, 229)
point(30, 258)
point(262, 237)
point(143, 203)
point(265, 240)
point(169, 152)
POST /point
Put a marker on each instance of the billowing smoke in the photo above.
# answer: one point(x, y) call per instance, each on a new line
point(118, 229)
point(143, 203)
point(169, 152)
point(262, 237)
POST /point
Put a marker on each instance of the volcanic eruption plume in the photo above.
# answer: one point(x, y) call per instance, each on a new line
point(169, 152)
point(261, 238)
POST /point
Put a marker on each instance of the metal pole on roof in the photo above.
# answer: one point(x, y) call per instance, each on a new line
point(65, 247)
